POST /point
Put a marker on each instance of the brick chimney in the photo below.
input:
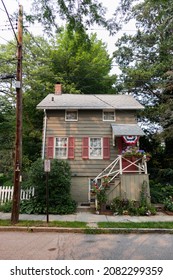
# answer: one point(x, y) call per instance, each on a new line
point(58, 88)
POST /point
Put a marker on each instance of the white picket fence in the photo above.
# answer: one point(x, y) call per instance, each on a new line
point(6, 194)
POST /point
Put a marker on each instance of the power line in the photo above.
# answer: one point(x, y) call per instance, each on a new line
point(2, 10)
point(10, 21)
point(8, 41)
point(35, 40)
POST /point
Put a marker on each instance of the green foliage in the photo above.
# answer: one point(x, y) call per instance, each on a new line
point(59, 182)
point(79, 15)
point(145, 59)
point(147, 67)
point(6, 207)
point(159, 191)
point(123, 206)
point(82, 63)
point(168, 203)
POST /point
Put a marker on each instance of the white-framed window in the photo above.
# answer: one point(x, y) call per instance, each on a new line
point(61, 147)
point(96, 148)
point(108, 115)
point(71, 115)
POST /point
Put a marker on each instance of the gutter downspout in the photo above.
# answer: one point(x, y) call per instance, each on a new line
point(44, 134)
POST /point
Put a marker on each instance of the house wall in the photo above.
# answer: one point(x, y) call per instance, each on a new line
point(89, 124)
point(129, 186)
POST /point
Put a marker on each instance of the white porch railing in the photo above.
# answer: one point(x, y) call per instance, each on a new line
point(6, 194)
point(116, 168)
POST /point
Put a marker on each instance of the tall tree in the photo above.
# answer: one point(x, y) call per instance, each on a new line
point(82, 67)
point(77, 14)
point(85, 64)
point(146, 60)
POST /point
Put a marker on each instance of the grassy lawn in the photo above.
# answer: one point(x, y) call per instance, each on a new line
point(77, 224)
point(31, 223)
point(168, 225)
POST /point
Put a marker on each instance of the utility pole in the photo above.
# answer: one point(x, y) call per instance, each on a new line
point(18, 139)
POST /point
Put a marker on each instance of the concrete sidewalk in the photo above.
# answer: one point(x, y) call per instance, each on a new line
point(92, 217)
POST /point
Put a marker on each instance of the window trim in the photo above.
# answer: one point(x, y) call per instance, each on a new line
point(71, 120)
point(55, 147)
point(109, 111)
point(95, 157)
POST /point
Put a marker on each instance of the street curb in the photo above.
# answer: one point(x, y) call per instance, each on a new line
point(87, 230)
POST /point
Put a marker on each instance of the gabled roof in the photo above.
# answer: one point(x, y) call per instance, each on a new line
point(89, 101)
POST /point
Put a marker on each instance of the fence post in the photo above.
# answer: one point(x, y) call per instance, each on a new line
point(6, 194)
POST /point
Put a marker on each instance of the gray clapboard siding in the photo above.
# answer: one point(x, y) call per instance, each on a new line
point(80, 189)
point(131, 185)
point(89, 124)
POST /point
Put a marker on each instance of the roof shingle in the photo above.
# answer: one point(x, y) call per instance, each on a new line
point(89, 101)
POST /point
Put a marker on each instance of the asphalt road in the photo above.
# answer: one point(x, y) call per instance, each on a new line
point(72, 246)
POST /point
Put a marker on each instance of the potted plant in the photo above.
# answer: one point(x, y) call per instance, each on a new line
point(134, 152)
point(106, 182)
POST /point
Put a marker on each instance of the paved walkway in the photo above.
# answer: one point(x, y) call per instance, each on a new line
point(93, 218)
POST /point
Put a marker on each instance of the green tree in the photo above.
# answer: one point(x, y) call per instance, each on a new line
point(59, 182)
point(7, 120)
point(146, 63)
point(81, 66)
point(79, 15)
point(82, 63)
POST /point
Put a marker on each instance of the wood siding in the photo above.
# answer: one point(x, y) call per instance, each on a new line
point(89, 124)
point(129, 186)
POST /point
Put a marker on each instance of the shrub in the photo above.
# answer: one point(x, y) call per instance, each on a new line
point(125, 206)
point(168, 204)
point(159, 191)
point(59, 183)
point(6, 207)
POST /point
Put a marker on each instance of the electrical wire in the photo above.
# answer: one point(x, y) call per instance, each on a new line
point(10, 21)
point(10, 42)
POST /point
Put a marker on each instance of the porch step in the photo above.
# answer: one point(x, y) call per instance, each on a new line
point(86, 207)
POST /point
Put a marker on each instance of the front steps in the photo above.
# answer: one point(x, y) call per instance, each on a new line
point(86, 207)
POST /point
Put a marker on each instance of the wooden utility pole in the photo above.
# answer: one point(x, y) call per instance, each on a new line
point(18, 140)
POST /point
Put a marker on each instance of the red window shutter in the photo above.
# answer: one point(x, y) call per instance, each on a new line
point(50, 147)
point(106, 148)
point(71, 147)
point(85, 148)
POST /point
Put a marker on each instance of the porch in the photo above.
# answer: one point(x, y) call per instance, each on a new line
point(125, 178)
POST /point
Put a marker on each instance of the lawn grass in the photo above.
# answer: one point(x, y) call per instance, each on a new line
point(78, 224)
point(168, 225)
point(31, 223)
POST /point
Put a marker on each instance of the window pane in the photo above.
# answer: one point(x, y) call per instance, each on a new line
point(61, 142)
point(95, 142)
point(108, 116)
point(95, 147)
point(60, 152)
point(71, 115)
point(95, 152)
point(61, 147)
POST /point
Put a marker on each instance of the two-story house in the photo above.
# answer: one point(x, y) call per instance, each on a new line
point(90, 132)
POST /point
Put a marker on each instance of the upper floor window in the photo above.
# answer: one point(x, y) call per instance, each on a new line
point(108, 115)
point(71, 115)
